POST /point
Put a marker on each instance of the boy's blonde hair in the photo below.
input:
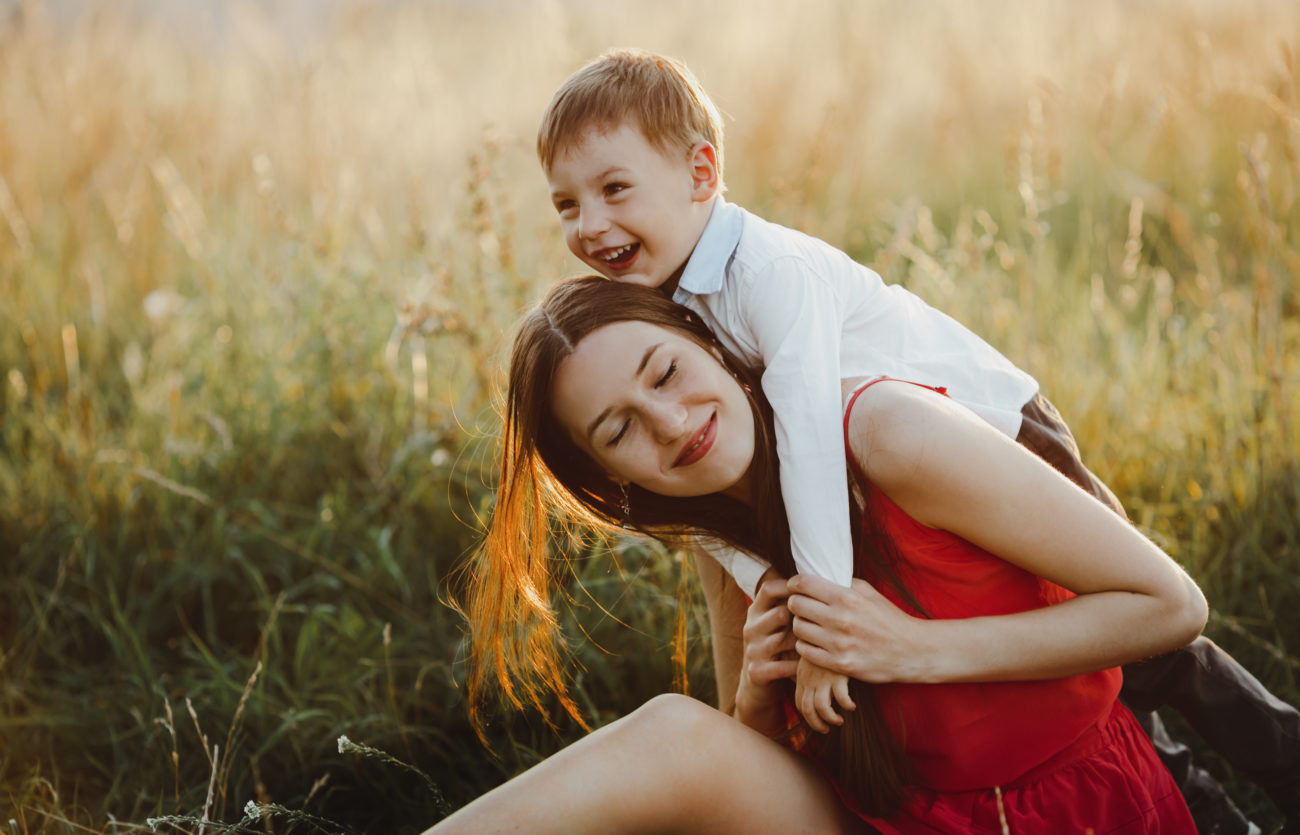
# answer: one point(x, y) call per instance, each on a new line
point(631, 86)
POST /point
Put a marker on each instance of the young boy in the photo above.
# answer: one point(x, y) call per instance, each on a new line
point(632, 148)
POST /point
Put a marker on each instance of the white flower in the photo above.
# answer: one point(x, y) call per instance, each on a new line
point(344, 742)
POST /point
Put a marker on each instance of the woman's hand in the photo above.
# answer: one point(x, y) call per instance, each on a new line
point(768, 658)
point(856, 631)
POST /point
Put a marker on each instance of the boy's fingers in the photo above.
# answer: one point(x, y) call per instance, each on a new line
point(813, 718)
point(826, 708)
point(805, 701)
point(842, 694)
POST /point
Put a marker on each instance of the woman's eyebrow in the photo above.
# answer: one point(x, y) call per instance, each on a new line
point(645, 360)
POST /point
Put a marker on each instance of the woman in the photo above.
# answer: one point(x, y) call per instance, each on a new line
point(993, 705)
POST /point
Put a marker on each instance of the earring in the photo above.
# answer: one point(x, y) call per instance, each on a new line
point(735, 375)
point(623, 504)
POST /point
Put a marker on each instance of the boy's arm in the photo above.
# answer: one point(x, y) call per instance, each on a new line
point(793, 317)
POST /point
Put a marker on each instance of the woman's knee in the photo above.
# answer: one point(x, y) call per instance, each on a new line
point(672, 714)
point(710, 764)
point(681, 730)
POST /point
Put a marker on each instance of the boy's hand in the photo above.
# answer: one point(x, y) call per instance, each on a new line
point(816, 692)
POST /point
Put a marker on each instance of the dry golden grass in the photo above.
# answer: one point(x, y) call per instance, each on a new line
point(257, 268)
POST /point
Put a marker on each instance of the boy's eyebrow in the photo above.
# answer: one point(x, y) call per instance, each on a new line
point(645, 360)
point(613, 169)
point(604, 175)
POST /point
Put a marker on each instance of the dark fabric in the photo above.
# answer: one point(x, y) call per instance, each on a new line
point(1044, 433)
point(1255, 732)
point(1212, 810)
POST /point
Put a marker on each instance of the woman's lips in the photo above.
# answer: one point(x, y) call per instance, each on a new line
point(700, 443)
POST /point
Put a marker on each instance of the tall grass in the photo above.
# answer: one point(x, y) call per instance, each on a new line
point(256, 283)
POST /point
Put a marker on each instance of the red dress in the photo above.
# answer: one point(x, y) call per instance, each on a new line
point(1051, 756)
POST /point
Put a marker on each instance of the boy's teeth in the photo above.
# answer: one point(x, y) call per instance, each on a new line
point(618, 253)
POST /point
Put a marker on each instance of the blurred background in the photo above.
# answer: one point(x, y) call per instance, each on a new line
point(259, 263)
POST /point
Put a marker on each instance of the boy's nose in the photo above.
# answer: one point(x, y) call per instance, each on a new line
point(592, 223)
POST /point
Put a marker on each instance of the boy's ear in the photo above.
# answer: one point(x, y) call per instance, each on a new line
point(703, 162)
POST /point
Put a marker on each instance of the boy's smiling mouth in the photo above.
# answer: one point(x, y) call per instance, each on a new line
point(619, 257)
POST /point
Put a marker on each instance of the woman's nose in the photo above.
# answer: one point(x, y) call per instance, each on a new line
point(667, 419)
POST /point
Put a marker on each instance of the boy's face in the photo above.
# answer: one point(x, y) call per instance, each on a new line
point(628, 210)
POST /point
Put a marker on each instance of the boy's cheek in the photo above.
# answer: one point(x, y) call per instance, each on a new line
point(597, 267)
point(575, 247)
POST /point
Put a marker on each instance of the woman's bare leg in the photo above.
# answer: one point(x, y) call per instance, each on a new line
point(673, 765)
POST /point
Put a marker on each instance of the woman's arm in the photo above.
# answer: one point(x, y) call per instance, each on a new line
point(950, 470)
point(753, 646)
point(726, 605)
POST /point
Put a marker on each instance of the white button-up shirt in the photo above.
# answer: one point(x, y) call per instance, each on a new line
point(811, 316)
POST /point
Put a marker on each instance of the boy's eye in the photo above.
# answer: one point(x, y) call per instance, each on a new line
point(667, 375)
point(565, 206)
point(614, 188)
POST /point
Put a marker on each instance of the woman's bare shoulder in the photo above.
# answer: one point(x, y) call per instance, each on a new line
point(892, 426)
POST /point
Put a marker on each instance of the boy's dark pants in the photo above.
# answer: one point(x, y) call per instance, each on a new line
point(1254, 731)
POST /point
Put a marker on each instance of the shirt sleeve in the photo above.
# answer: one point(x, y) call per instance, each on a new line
point(745, 569)
point(792, 314)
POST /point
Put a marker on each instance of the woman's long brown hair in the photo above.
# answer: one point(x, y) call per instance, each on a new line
point(544, 477)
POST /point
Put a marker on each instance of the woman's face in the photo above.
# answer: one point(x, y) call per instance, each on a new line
point(653, 407)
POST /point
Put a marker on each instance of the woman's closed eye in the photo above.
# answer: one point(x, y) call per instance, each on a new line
point(667, 375)
point(622, 431)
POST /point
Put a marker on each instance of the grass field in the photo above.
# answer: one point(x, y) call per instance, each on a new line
point(257, 272)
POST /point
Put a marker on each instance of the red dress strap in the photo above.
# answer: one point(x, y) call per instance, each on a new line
point(848, 412)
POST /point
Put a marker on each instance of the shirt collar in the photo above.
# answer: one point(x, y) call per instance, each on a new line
point(707, 266)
